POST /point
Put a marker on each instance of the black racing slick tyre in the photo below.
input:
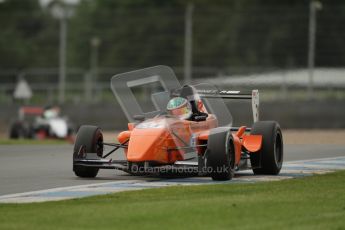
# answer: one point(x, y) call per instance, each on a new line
point(16, 130)
point(269, 159)
point(220, 160)
point(89, 140)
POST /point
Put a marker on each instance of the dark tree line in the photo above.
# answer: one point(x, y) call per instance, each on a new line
point(226, 34)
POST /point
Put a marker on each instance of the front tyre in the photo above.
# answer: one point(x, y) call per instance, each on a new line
point(269, 159)
point(220, 154)
point(89, 140)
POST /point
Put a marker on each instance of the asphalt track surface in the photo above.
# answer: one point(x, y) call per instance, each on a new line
point(27, 168)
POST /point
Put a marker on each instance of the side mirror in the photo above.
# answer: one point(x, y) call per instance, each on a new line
point(139, 117)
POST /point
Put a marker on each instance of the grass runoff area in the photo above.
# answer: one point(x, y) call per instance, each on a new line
point(316, 202)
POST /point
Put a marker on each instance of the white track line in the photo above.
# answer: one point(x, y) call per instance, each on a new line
point(66, 188)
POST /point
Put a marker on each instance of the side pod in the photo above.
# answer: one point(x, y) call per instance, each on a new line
point(252, 143)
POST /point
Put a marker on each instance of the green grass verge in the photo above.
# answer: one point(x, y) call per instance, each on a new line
point(308, 203)
point(31, 142)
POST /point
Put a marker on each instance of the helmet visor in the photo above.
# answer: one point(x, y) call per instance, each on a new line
point(179, 107)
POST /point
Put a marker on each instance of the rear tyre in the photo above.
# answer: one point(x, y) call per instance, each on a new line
point(269, 159)
point(17, 130)
point(220, 154)
point(89, 140)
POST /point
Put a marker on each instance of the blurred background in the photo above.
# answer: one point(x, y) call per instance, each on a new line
point(55, 52)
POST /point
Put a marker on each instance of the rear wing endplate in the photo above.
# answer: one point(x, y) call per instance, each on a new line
point(230, 94)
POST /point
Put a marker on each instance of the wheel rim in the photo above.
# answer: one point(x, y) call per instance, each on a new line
point(99, 147)
point(278, 149)
point(231, 160)
point(231, 157)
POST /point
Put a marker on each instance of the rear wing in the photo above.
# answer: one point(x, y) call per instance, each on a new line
point(30, 110)
point(230, 94)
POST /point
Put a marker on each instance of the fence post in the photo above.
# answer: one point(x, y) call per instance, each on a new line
point(87, 87)
point(188, 43)
point(314, 6)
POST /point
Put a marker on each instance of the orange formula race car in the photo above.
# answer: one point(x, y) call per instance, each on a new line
point(179, 129)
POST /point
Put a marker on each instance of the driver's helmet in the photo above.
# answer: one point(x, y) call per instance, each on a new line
point(179, 107)
point(51, 112)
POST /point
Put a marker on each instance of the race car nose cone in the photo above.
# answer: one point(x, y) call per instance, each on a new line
point(147, 145)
